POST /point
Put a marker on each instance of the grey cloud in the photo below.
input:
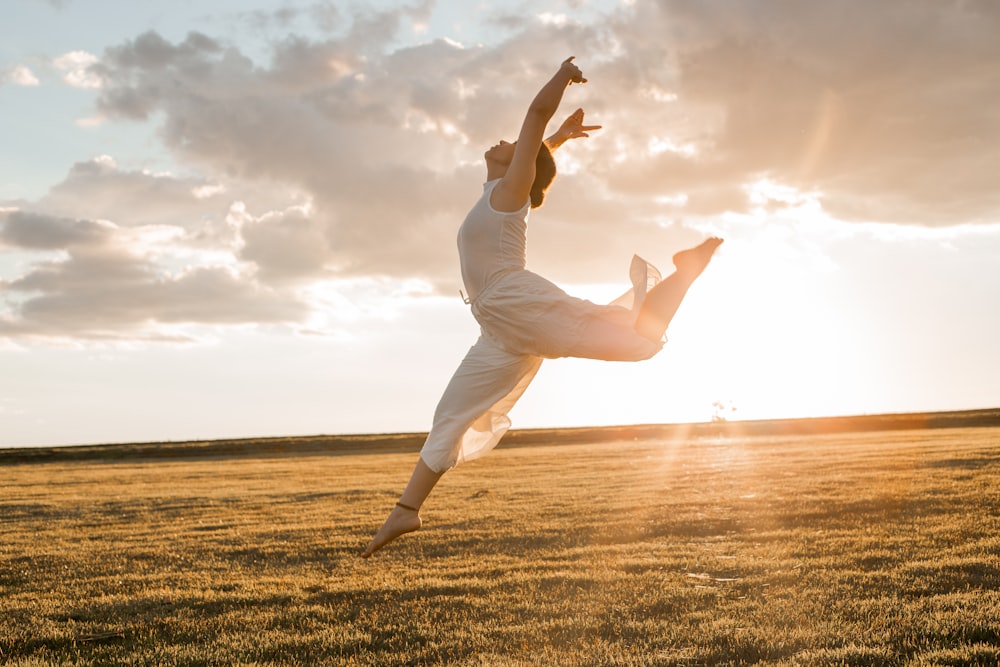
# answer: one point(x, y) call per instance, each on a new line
point(85, 270)
point(285, 246)
point(326, 16)
point(886, 108)
point(305, 124)
point(97, 291)
point(99, 189)
point(135, 96)
point(97, 288)
point(151, 51)
point(34, 231)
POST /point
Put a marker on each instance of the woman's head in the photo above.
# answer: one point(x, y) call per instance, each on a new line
point(499, 157)
point(545, 173)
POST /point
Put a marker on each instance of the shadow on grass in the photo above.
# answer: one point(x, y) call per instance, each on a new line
point(930, 579)
point(832, 513)
point(149, 620)
point(987, 459)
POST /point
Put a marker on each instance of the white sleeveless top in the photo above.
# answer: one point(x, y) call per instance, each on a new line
point(491, 243)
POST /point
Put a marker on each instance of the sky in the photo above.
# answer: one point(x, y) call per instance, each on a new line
point(237, 218)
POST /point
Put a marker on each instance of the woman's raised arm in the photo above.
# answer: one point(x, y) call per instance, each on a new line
point(515, 186)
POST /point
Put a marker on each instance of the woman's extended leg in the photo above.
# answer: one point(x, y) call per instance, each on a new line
point(483, 388)
point(663, 300)
point(404, 517)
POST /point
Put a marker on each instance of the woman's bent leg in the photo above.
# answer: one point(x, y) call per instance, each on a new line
point(663, 300)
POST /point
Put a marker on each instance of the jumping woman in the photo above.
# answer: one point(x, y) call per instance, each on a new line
point(524, 318)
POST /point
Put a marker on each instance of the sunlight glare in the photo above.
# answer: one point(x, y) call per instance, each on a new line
point(764, 332)
point(766, 313)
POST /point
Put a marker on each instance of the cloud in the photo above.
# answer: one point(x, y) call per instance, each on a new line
point(365, 144)
point(285, 246)
point(358, 154)
point(796, 97)
point(40, 232)
point(887, 116)
point(99, 188)
point(19, 75)
point(79, 69)
point(96, 283)
point(196, 207)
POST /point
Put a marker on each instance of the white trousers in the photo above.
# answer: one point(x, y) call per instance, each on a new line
point(525, 319)
point(471, 416)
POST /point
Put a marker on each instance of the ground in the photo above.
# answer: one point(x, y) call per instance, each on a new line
point(866, 548)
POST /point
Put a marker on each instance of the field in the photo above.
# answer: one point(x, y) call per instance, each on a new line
point(878, 548)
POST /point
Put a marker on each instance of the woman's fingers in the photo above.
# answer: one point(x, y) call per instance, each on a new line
point(574, 127)
point(575, 75)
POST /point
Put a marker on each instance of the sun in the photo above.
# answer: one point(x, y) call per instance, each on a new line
point(763, 322)
point(770, 313)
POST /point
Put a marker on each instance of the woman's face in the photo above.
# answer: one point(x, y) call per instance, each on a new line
point(501, 153)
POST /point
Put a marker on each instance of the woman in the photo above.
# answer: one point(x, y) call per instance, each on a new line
point(525, 318)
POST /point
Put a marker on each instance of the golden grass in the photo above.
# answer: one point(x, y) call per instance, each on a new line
point(862, 549)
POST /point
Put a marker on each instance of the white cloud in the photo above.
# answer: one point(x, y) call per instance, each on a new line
point(79, 70)
point(207, 191)
point(19, 75)
point(550, 18)
point(91, 121)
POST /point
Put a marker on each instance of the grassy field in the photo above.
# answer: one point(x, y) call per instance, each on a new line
point(864, 549)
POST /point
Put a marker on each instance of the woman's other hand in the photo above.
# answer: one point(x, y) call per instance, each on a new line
point(573, 127)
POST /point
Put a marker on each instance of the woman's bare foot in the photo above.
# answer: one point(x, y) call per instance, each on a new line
point(691, 262)
point(400, 522)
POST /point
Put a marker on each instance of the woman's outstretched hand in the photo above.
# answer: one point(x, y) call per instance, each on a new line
point(574, 73)
point(571, 128)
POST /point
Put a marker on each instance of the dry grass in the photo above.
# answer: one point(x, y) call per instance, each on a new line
point(862, 549)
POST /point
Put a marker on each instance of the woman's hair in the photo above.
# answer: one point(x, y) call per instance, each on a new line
point(545, 172)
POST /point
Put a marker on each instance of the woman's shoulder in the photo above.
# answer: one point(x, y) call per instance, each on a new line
point(489, 187)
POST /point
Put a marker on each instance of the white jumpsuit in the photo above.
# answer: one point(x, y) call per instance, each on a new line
point(523, 318)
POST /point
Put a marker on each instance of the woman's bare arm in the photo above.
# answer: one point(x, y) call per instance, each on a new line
point(514, 188)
